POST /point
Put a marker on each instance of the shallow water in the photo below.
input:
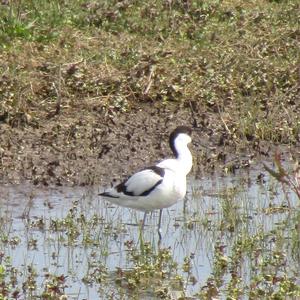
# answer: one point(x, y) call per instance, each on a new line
point(218, 211)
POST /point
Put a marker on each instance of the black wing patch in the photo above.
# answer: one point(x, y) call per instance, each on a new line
point(147, 192)
point(107, 194)
point(159, 171)
point(122, 188)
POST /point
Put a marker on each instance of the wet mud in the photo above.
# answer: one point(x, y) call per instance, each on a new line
point(96, 147)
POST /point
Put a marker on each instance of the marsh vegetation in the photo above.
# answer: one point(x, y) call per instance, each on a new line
point(89, 89)
point(234, 238)
point(82, 79)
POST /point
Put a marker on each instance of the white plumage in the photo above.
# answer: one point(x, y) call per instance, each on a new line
point(158, 186)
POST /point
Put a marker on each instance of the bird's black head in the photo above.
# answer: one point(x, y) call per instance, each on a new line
point(179, 130)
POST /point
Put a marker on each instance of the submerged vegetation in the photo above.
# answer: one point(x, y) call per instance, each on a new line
point(85, 249)
point(286, 177)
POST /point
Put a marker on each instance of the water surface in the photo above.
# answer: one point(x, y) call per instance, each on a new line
point(36, 232)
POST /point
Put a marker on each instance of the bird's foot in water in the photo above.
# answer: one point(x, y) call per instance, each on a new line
point(159, 231)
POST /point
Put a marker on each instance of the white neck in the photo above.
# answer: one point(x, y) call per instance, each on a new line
point(184, 156)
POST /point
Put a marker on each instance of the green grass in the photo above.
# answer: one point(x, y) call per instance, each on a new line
point(236, 61)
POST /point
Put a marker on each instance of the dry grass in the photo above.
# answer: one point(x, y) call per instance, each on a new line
point(236, 61)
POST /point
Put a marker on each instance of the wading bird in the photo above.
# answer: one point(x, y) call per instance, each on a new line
point(158, 186)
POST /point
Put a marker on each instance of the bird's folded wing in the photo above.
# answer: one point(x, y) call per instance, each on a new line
point(141, 183)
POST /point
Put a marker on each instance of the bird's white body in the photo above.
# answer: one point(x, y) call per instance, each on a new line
point(159, 186)
point(167, 193)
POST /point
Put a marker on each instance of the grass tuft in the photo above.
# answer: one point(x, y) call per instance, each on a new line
point(237, 61)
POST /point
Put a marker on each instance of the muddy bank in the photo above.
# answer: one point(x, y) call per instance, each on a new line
point(85, 147)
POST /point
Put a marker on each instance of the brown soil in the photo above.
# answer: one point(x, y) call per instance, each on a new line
point(91, 147)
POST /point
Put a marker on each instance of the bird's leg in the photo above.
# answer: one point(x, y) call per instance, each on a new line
point(159, 225)
point(185, 200)
point(141, 231)
point(144, 220)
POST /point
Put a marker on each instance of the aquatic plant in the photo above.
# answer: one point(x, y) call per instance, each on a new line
point(284, 176)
